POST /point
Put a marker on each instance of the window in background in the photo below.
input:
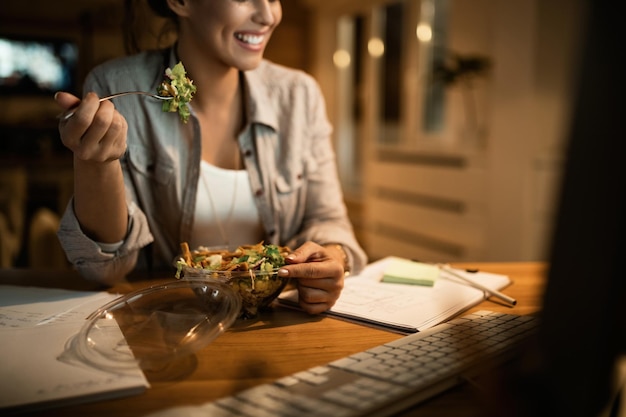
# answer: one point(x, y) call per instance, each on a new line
point(412, 98)
point(37, 66)
point(431, 33)
point(391, 78)
point(348, 61)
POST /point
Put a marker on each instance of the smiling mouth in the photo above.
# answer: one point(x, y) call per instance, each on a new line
point(250, 39)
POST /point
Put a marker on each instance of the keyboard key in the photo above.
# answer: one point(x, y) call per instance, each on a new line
point(412, 369)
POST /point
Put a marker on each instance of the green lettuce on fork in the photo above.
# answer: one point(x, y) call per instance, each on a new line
point(177, 85)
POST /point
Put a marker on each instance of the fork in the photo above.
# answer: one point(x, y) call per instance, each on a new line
point(69, 113)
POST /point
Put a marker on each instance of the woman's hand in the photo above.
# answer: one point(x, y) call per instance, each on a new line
point(319, 272)
point(96, 132)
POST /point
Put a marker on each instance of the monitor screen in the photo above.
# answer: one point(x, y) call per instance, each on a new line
point(574, 370)
point(37, 66)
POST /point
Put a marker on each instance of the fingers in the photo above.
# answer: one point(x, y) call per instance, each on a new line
point(311, 261)
point(314, 307)
point(86, 109)
point(319, 277)
point(81, 128)
point(96, 132)
point(313, 269)
point(308, 252)
point(66, 100)
point(319, 295)
point(105, 138)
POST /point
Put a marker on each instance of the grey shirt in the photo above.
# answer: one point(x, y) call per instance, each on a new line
point(287, 150)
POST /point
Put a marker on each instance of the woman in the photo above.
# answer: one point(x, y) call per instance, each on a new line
point(254, 162)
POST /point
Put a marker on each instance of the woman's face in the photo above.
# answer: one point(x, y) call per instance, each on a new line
point(235, 32)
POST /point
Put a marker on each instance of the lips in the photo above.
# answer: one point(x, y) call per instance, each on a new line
point(253, 40)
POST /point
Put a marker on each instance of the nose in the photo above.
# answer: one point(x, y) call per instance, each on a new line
point(267, 12)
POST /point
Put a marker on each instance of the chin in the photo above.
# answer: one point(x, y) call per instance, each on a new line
point(249, 65)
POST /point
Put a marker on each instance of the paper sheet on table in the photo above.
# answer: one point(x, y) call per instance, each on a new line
point(402, 307)
point(35, 325)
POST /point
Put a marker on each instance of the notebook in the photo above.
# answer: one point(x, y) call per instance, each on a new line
point(36, 326)
point(405, 308)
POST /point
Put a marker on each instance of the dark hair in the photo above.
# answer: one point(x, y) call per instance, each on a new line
point(135, 14)
point(161, 8)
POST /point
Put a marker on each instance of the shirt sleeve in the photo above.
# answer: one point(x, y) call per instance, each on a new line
point(89, 258)
point(103, 263)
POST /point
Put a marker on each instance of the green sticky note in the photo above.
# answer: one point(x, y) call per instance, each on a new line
point(404, 271)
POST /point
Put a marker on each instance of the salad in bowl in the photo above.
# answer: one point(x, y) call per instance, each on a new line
point(251, 270)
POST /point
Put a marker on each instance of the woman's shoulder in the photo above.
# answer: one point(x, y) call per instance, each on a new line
point(280, 76)
point(141, 70)
point(284, 95)
point(275, 83)
point(133, 63)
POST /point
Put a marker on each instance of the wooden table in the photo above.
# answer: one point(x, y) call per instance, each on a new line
point(280, 342)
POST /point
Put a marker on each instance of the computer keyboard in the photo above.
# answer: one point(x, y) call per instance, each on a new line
point(388, 378)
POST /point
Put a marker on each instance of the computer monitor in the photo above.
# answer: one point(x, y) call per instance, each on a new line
point(572, 368)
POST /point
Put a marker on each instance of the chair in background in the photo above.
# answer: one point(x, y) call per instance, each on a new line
point(44, 249)
point(13, 192)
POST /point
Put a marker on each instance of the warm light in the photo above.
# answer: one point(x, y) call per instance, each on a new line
point(341, 58)
point(376, 47)
point(424, 32)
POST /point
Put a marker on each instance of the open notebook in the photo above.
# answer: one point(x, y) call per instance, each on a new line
point(36, 325)
point(405, 308)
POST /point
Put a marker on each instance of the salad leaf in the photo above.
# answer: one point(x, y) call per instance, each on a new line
point(258, 257)
point(177, 85)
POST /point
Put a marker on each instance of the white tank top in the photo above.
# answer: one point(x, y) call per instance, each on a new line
point(224, 204)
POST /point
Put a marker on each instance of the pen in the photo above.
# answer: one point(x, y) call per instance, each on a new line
point(491, 292)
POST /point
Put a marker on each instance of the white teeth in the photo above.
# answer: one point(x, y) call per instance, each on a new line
point(251, 39)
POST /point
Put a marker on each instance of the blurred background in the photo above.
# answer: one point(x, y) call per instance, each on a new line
point(449, 115)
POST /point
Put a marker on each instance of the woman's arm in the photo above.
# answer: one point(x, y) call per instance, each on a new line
point(96, 135)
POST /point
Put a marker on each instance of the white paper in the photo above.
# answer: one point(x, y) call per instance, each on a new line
point(404, 307)
point(35, 326)
point(22, 307)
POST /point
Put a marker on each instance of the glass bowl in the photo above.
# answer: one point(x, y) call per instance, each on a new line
point(155, 325)
point(257, 289)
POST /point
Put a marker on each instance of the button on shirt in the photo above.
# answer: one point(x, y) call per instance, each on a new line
point(287, 152)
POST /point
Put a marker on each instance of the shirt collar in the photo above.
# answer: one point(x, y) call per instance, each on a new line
point(260, 108)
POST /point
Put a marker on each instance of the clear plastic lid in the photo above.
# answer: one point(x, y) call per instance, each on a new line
point(155, 325)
